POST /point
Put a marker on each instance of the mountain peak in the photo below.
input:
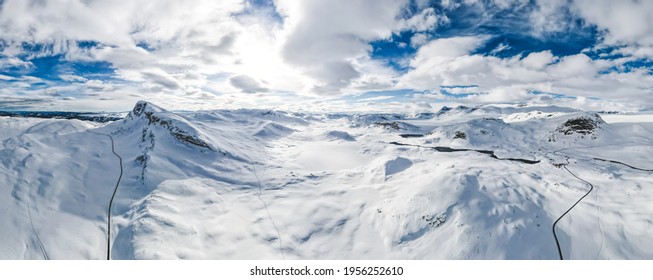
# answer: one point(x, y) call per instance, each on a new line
point(146, 115)
point(145, 108)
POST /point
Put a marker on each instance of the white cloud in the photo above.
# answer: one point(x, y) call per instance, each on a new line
point(175, 46)
point(501, 47)
point(161, 78)
point(450, 62)
point(626, 22)
point(183, 52)
point(505, 4)
point(376, 98)
point(185, 35)
point(549, 16)
point(418, 40)
point(325, 38)
point(72, 78)
point(97, 85)
point(438, 61)
point(450, 47)
point(575, 65)
point(247, 84)
point(13, 62)
point(6, 78)
point(538, 60)
point(426, 20)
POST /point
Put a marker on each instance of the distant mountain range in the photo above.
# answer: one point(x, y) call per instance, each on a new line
point(94, 117)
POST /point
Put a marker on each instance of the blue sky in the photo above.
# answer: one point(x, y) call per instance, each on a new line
point(358, 55)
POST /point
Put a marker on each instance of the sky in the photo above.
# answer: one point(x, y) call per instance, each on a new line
point(325, 55)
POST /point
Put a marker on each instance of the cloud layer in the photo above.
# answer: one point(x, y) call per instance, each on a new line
point(339, 55)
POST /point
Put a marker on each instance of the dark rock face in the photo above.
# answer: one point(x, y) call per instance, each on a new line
point(580, 125)
point(388, 125)
point(443, 111)
point(460, 135)
point(139, 108)
point(585, 126)
point(396, 125)
point(157, 116)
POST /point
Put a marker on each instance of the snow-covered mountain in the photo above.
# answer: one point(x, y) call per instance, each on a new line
point(487, 182)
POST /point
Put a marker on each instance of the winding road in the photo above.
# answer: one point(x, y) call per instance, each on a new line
point(115, 190)
point(555, 236)
point(585, 195)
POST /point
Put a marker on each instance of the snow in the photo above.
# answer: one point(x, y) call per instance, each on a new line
point(630, 118)
point(397, 165)
point(317, 156)
point(252, 184)
point(339, 135)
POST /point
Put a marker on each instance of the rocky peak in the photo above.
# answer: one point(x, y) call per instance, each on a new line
point(585, 124)
point(177, 126)
point(144, 108)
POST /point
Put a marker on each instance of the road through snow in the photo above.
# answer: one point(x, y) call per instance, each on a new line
point(555, 236)
point(113, 150)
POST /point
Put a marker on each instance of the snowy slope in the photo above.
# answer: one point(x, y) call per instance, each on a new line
point(461, 183)
point(49, 191)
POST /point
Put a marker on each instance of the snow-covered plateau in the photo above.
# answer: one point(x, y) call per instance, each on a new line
point(485, 182)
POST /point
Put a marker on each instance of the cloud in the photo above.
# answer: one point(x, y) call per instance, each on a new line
point(13, 62)
point(99, 86)
point(179, 36)
point(538, 60)
point(452, 62)
point(550, 16)
point(376, 98)
point(186, 52)
point(6, 78)
point(440, 61)
point(500, 48)
point(247, 84)
point(162, 78)
point(72, 78)
point(426, 20)
point(11, 103)
point(625, 22)
point(418, 40)
point(450, 47)
point(329, 40)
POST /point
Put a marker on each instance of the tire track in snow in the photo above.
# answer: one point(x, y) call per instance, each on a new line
point(258, 181)
point(598, 217)
point(115, 190)
point(598, 208)
point(283, 255)
point(38, 239)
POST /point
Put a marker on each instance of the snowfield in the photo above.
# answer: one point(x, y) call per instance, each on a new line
point(486, 182)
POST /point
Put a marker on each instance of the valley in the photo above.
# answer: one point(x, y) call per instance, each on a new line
point(487, 182)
